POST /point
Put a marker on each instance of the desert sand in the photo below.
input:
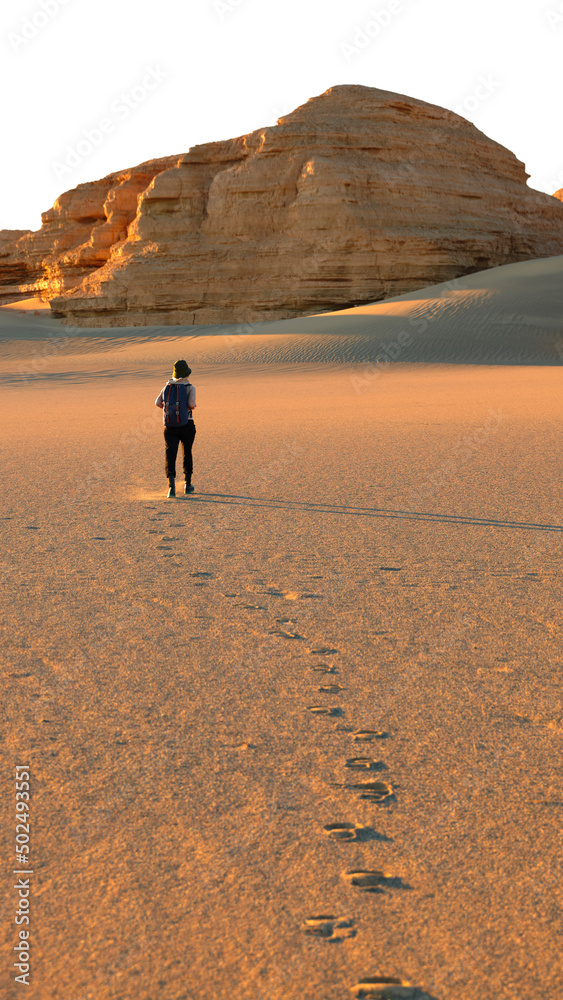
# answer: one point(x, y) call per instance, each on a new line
point(376, 530)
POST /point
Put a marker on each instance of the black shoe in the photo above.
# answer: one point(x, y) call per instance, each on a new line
point(172, 485)
point(188, 488)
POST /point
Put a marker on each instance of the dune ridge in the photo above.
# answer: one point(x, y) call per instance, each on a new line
point(506, 315)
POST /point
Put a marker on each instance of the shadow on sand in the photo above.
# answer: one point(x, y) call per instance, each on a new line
point(231, 499)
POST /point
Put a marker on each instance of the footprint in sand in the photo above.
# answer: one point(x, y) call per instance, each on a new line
point(205, 575)
point(324, 668)
point(374, 791)
point(322, 651)
point(329, 927)
point(342, 831)
point(365, 764)
point(369, 880)
point(287, 635)
point(368, 735)
point(354, 831)
point(385, 988)
point(331, 688)
point(323, 710)
point(372, 880)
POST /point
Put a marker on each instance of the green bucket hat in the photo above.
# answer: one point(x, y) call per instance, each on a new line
point(181, 369)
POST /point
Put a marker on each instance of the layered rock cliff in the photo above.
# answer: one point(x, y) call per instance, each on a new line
point(11, 235)
point(76, 236)
point(358, 195)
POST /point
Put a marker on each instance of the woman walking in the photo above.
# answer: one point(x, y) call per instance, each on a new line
point(177, 401)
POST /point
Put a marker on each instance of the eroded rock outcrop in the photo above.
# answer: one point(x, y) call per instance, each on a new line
point(11, 236)
point(76, 235)
point(358, 195)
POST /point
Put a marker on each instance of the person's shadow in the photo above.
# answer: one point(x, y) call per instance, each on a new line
point(320, 507)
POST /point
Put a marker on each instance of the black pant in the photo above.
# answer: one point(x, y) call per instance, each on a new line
point(172, 438)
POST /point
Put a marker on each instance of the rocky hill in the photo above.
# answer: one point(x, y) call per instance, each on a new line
point(77, 234)
point(358, 195)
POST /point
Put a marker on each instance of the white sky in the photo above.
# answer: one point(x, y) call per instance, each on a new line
point(235, 65)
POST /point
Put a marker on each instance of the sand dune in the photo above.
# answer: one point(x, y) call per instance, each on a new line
point(376, 534)
point(507, 315)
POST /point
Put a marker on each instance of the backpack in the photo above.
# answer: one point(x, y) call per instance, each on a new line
point(175, 398)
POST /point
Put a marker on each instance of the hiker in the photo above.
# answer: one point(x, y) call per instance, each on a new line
point(177, 400)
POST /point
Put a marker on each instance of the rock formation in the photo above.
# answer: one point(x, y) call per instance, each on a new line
point(11, 235)
point(77, 234)
point(358, 195)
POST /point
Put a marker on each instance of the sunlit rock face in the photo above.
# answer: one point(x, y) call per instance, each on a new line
point(11, 235)
point(358, 195)
point(76, 236)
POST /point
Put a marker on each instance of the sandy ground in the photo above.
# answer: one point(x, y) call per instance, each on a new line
point(36, 305)
point(385, 525)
